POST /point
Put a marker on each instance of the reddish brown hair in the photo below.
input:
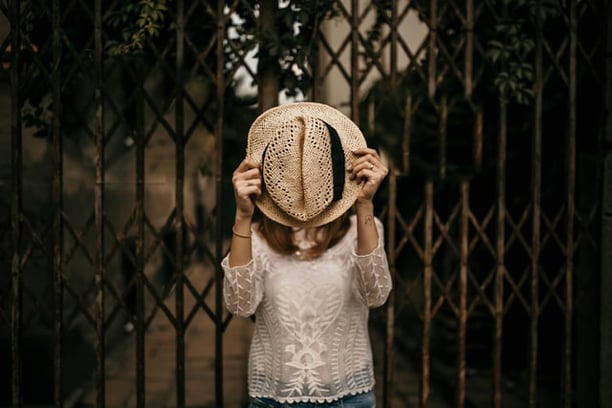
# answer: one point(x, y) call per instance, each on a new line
point(279, 236)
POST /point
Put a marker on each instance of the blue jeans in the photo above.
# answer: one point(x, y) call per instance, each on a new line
point(365, 400)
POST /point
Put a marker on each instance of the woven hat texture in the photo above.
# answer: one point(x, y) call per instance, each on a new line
point(293, 144)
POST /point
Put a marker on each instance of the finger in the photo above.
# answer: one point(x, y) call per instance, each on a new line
point(365, 150)
point(367, 154)
point(364, 168)
point(367, 159)
point(249, 188)
point(251, 179)
point(247, 164)
point(374, 174)
point(250, 163)
point(242, 177)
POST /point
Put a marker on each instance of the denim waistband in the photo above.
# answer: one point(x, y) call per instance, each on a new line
point(365, 400)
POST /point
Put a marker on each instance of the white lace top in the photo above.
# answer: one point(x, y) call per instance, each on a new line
point(311, 341)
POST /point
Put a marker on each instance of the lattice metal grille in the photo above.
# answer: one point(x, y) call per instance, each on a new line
point(493, 249)
point(118, 199)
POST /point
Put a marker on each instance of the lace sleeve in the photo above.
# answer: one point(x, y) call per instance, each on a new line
point(243, 285)
point(373, 282)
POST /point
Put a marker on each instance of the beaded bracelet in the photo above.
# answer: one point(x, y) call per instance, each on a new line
point(239, 234)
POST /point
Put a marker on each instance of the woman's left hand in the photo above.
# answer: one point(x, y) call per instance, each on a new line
point(367, 167)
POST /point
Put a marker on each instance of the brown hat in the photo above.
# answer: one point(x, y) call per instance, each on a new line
point(304, 149)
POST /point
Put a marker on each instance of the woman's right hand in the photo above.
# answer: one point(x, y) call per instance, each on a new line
point(247, 187)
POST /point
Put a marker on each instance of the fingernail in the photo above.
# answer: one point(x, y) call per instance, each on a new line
point(349, 168)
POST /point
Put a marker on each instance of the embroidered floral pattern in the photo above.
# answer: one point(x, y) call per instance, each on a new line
point(310, 341)
point(306, 319)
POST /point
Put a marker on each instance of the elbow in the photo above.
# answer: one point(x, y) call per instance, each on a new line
point(238, 306)
point(243, 313)
point(238, 311)
point(377, 298)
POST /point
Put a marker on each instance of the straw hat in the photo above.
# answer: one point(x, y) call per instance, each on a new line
point(304, 149)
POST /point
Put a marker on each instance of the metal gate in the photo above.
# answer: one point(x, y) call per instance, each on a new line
point(127, 118)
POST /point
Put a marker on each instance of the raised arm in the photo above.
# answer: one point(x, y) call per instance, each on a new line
point(374, 281)
point(247, 186)
point(374, 278)
point(369, 169)
point(242, 289)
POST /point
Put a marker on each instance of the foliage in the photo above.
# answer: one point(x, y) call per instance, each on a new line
point(298, 24)
point(383, 8)
point(290, 43)
point(136, 21)
point(503, 72)
point(511, 48)
point(140, 35)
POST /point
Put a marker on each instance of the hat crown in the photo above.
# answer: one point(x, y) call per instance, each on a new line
point(304, 149)
point(297, 167)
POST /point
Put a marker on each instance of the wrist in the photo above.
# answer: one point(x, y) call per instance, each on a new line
point(242, 223)
point(365, 207)
point(242, 218)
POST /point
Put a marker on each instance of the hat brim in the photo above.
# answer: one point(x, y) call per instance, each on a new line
point(351, 137)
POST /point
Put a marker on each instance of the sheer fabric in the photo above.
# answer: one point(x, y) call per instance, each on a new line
point(310, 342)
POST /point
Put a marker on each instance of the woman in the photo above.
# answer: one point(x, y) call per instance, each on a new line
point(314, 264)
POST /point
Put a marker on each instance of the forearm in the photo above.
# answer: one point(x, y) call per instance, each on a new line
point(242, 287)
point(374, 275)
point(367, 234)
point(240, 247)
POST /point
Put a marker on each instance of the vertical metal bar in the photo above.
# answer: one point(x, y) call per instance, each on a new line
point(463, 283)
point(16, 207)
point(605, 336)
point(57, 188)
point(442, 137)
point(477, 143)
point(179, 200)
point(219, 309)
point(315, 64)
point(355, 61)
point(604, 351)
point(536, 197)
point(391, 253)
point(372, 115)
point(393, 51)
point(427, 275)
point(500, 248)
point(500, 244)
point(433, 38)
point(139, 249)
point(268, 72)
point(99, 203)
point(571, 209)
point(469, 47)
point(469, 58)
point(407, 133)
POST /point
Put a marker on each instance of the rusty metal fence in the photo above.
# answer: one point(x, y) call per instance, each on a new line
point(122, 141)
